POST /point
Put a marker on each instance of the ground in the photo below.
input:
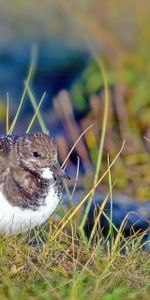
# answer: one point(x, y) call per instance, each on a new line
point(67, 268)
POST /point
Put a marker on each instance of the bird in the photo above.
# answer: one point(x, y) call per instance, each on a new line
point(30, 181)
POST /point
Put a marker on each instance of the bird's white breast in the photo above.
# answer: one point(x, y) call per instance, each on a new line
point(47, 174)
point(14, 220)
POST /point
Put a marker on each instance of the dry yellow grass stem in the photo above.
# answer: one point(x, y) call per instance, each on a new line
point(54, 236)
point(75, 144)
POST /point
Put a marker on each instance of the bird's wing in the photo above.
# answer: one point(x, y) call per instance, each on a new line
point(4, 150)
point(4, 147)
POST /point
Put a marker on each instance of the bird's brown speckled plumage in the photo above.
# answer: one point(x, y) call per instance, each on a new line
point(20, 172)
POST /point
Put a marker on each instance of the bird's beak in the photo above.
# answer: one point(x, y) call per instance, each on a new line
point(57, 170)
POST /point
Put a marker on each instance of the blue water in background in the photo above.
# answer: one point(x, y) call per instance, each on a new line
point(58, 66)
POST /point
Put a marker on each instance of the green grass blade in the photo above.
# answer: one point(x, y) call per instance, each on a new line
point(110, 233)
point(101, 209)
point(29, 77)
point(35, 114)
point(7, 114)
point(101, 146)
point(35, 106)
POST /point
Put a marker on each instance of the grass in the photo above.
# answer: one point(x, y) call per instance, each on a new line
point(69, 269)
point(67, 266)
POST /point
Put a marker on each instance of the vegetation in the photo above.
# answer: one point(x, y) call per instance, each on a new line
point(69, 269)
point(67, 265)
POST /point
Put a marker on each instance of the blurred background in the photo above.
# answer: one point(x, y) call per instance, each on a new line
point(69, 37)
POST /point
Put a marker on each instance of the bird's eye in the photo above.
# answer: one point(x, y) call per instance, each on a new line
point(36, 154)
